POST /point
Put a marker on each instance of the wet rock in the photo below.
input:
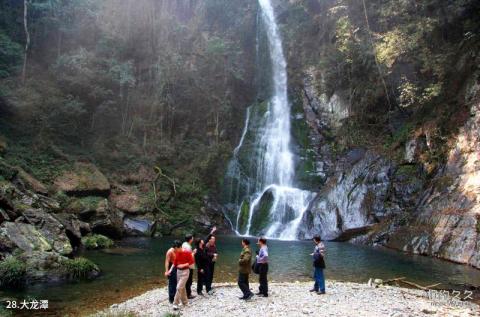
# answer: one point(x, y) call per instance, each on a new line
point(354, 198)
point(261, 214)
point(138, 226)
point(84, 180)
point(108, 223)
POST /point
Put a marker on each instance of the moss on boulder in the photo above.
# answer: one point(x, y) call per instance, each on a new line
point(84, 180)
point(261, 217)
point(86, 205)
point(97, 241)
point(243, 217)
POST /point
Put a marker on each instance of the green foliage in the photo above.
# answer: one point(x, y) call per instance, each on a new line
point(243, 217)
point(41, 162)
point(261, 215)
point(10, 55)
point(97, 241)
point(79, 268)
point(216, 46)
point(12, 272)
point(399, 137)
point(407, 170)
point(62, 198)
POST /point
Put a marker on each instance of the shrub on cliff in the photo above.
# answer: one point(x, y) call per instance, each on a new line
point(12, 272)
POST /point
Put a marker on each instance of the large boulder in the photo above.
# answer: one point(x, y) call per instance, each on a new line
point(354, 198)
point(86, 207)
point(84, 180)
point(261, 214)
point(109, 223)
point(98, 213)
point(75, 229)
point(24, 236)
point(38, 230)
point(139, 226)
point(129, 202)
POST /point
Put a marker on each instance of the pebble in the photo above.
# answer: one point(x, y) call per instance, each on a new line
point(294, 299)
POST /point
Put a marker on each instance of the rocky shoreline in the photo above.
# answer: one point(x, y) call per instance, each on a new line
point(293, 299)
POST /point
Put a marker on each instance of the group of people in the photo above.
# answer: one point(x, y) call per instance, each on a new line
point(182, 258)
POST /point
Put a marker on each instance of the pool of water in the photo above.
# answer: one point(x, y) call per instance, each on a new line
point(138, 264)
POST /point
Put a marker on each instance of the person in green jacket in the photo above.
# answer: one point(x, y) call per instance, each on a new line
point(244, 270)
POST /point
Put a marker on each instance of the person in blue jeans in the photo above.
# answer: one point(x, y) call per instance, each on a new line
point(172, 275)
point(319, 265)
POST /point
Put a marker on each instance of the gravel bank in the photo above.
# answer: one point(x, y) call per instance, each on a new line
point(293, 299)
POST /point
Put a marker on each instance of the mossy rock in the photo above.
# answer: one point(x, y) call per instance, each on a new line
point(97, 241)
point(25, 237)
point(301, 133)
point(85, 204)
point(243, 217)
point(261, 217)
point(12, 272)
point(84, 180)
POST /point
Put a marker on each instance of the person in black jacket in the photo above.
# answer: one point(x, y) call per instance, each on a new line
point(202, 260)
point(319, 264)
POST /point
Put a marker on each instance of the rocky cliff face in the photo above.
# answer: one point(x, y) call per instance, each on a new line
point(446, 222)
point(374, 199)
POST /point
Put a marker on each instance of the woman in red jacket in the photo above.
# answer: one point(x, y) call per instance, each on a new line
point(182, 262)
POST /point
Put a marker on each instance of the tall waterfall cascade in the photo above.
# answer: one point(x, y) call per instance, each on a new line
point(260, 178)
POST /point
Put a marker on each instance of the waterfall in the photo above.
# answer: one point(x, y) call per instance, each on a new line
point(261, 187)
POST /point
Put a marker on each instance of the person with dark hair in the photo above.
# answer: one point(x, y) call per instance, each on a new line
point(244, 270)
point(202, 262)
point(171, 274)
point(187, 246)
point(319, 265)
point(183, 260)
point(211, 249)
point(262, 262)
